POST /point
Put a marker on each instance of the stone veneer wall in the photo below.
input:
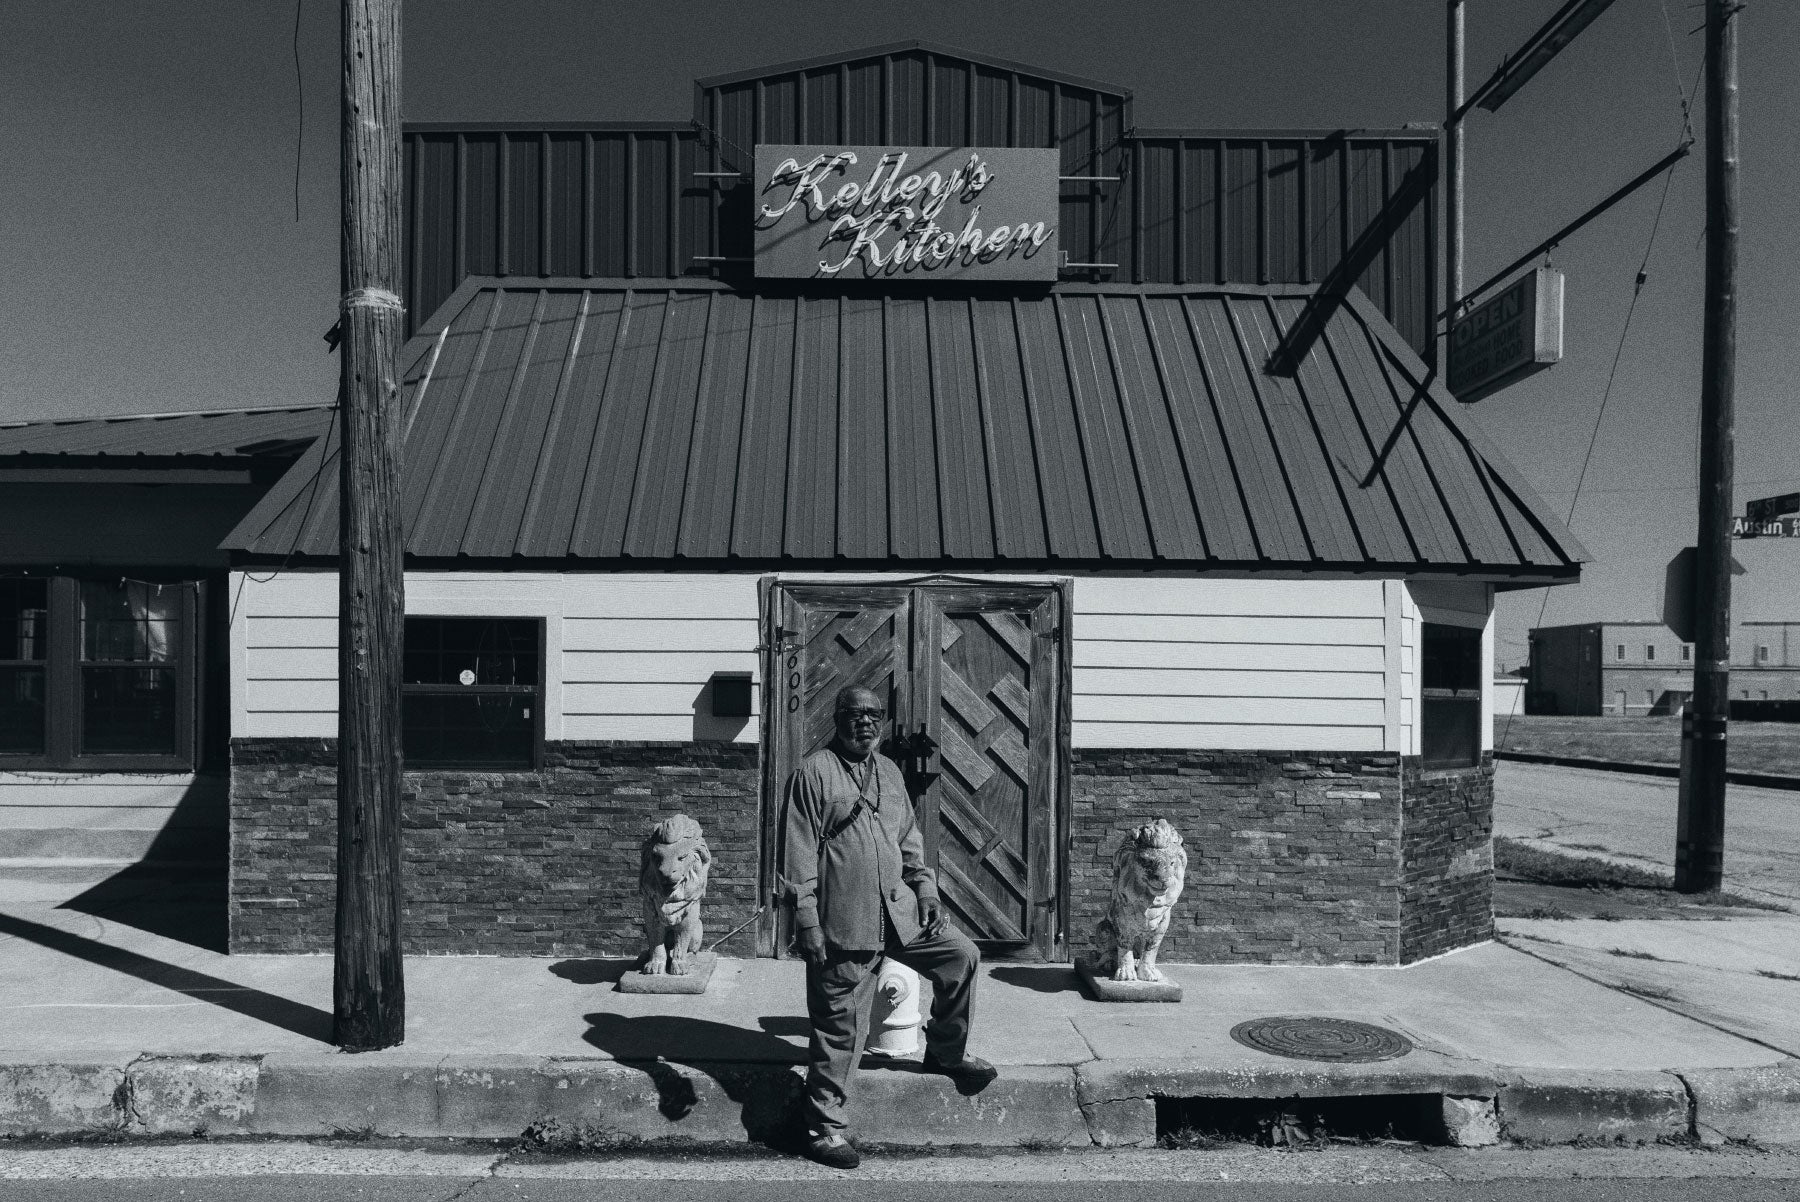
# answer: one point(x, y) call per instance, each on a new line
point(1293, 858)
point(511, 863)
point(1447, 900)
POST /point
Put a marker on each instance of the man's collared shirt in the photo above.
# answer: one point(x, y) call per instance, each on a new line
point(848, 868)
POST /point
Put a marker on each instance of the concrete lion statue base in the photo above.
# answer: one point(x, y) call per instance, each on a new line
point(672, 871)
point(1149, 870)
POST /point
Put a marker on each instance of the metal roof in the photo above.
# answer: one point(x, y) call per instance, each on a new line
point(914, 46)
point(224, 433)
point(1114, 425)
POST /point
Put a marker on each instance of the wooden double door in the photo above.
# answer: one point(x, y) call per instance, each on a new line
point(973, 678)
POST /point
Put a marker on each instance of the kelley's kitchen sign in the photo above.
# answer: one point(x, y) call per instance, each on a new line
point(920, 212)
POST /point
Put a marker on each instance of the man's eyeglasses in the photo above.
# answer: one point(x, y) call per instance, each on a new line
point(871, 715)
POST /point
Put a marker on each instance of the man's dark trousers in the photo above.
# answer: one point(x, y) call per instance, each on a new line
point(838, 993)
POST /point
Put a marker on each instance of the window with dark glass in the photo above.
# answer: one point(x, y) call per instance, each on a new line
point(129, 634)
point(24, 646)
point(1450, 710)
point(97, 673)
point(471, 696)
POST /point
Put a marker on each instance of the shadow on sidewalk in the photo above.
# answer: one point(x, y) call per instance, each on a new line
point(1052, 978)
point(174, 901)
point(178, 888)
point(737, 1058)
point(593, 971)
point(277, 1011)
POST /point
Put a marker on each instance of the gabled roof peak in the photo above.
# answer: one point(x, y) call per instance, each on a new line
point(913, 46)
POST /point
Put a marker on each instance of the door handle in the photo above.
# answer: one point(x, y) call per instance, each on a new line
point(918, 754)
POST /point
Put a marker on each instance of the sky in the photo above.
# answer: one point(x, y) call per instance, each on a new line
point(155, 153)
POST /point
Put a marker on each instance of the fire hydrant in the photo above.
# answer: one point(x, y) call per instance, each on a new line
point(894, 1017)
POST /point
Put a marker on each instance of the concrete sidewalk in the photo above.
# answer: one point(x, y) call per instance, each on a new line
point(106, 1025)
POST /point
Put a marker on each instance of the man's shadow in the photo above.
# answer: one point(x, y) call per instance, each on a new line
point(750, 1067)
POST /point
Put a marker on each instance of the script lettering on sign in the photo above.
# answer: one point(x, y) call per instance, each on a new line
point(870, 212)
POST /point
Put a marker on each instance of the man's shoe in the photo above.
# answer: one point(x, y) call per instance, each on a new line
point(833, 1152)
point(971, 1069)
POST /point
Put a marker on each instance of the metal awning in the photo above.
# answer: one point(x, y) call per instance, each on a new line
point(1100, 426)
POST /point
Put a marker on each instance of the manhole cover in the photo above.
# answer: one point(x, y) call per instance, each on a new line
point(1321, 1039)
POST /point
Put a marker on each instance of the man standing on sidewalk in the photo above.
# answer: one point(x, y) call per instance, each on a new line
point(857, 879)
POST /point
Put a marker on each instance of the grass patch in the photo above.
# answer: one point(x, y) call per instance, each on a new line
point(1631, 955)
point(1533, 882)
point(1752, 746)
point(1522, 862)
point(1777, 976)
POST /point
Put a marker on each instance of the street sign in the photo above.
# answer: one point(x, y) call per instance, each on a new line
point(1517, 334)
point(906, 212)
point(1781, 527)
point(1767, 509)
point(1678, 592)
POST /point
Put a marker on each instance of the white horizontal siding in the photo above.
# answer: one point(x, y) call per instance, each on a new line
point(1159, 661)
point(1267, 631)
point(1227, 736)
point(1204, 663)
point(626, 657)
point(657, 635)
point(1178, 682)
point(1235, 657)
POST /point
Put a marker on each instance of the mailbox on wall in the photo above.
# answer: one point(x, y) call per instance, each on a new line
point(731, 694)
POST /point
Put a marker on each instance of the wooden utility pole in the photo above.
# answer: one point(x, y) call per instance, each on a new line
point(368, 987)
point(1700, 834)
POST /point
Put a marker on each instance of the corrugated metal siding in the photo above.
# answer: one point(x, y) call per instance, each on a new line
point(228, 432)
point(1095, 424)
point(618, 201)
point(1220, 209)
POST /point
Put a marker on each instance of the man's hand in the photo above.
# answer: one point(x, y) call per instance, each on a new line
point(931, 915)
point(812, 944)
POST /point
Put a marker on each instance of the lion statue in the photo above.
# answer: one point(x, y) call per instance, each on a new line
point(672, 872)
point(1148, 871)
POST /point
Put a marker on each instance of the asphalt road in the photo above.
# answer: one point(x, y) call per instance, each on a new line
point(428, 1190)
point(1634, 816)
point(298, 1172)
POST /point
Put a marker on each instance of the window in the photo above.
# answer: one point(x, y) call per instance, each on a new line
point(1450, 717)
point(24, 610)
point(1619, 651)
point(470, 696)
point(1687, 652)
point(1650, 652)
point(1762, 654)
point(97, 674)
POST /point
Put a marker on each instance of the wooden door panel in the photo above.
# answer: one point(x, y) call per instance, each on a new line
point(988, 815)
point(977, 670)
point(830, 638)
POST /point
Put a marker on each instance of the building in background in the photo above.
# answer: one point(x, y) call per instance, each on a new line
point(1625, 668)
point(114, 674)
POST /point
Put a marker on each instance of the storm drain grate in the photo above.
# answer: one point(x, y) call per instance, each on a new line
point(1308, 1038)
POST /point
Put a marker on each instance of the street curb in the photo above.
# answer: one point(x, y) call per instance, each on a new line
point(1760, 780)
point(1554, 1106)
point(1111, 1103)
